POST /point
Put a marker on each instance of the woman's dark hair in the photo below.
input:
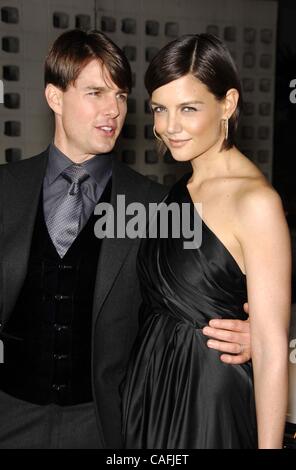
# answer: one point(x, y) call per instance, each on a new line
point(206, 58)
point(75, 49)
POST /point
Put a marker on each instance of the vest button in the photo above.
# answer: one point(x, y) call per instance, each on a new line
point(59, 357)
point(64, 267)
point(60, 328)
point(58, 387)
point(62, 297)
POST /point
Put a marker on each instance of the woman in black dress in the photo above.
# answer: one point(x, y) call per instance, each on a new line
point(177, 392)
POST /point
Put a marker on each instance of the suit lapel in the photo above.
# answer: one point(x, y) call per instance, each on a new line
point(115, 250)
point(21, 190)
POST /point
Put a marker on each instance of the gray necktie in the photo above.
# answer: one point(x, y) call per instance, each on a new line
point(64, 221)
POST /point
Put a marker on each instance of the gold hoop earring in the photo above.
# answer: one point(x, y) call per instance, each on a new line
point(156, 135)
point(226, 128)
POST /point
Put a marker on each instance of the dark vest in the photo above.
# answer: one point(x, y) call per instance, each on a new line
point(48, 356)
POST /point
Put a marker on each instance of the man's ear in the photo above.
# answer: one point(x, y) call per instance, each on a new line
point(54, 98)
point(230, 102)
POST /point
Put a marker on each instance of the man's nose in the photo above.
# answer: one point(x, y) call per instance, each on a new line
point(111, 107)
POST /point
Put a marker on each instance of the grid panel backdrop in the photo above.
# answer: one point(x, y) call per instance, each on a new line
point(140, 27)
point(27, 28)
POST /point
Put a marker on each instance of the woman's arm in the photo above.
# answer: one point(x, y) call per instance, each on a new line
point(264, 237)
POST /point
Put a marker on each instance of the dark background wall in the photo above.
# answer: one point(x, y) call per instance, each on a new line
point(284, 162)
point(284, 166)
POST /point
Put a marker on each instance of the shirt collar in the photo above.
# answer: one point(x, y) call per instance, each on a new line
point(96, 167)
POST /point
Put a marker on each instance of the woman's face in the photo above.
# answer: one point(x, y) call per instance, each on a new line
point(188, 118)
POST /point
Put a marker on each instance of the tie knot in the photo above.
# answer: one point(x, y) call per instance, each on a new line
point(75, 174)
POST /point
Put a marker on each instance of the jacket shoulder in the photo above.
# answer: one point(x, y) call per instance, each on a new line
point(25, 165)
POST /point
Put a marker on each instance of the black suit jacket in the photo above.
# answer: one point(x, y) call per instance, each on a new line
point(117, 297)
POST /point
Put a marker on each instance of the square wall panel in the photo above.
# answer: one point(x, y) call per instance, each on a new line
point(266, 36)
point(213, 29)
point(108, 24)
point(265, 85)
point(151, 156)
point(152, 28)
point(129, 157)
point(12, 128)
point(11, 73)
point(230, 33)
point(11, 44)
point(12, 100)
point(266, 61)
point(83, 22)
point(10, 15)
point(250, 35)
point(61, 20)
point(172, 29)
point(13, 155)
point(129, 26)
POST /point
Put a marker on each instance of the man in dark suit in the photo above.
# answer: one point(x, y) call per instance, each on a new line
point(69, 300)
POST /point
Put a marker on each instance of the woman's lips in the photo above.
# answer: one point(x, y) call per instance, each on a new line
point(178, 143)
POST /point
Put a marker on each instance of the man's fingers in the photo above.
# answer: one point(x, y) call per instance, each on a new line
point(230, 325)
point(246, 308)
point(232, 348)
point(237, 359)
point(231, 337)
point(223, 335)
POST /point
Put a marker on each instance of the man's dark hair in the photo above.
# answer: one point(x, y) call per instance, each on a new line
point(75, 49)
point(206, 58)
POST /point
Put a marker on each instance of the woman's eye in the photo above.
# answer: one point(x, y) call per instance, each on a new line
point(158, 109)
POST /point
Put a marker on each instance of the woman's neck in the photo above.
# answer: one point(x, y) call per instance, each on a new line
point(212, 164)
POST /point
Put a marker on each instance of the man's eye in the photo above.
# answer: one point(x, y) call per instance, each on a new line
point(122, 98)
point(94, 93)
point(189, 109)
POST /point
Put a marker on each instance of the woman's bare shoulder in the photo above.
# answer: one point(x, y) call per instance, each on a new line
point(258, 203)
point(251, 185)
point(253, 196)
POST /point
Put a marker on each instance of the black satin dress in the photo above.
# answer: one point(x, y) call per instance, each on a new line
point(177, 393)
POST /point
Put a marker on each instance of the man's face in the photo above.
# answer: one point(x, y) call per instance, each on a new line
point(91, 114)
